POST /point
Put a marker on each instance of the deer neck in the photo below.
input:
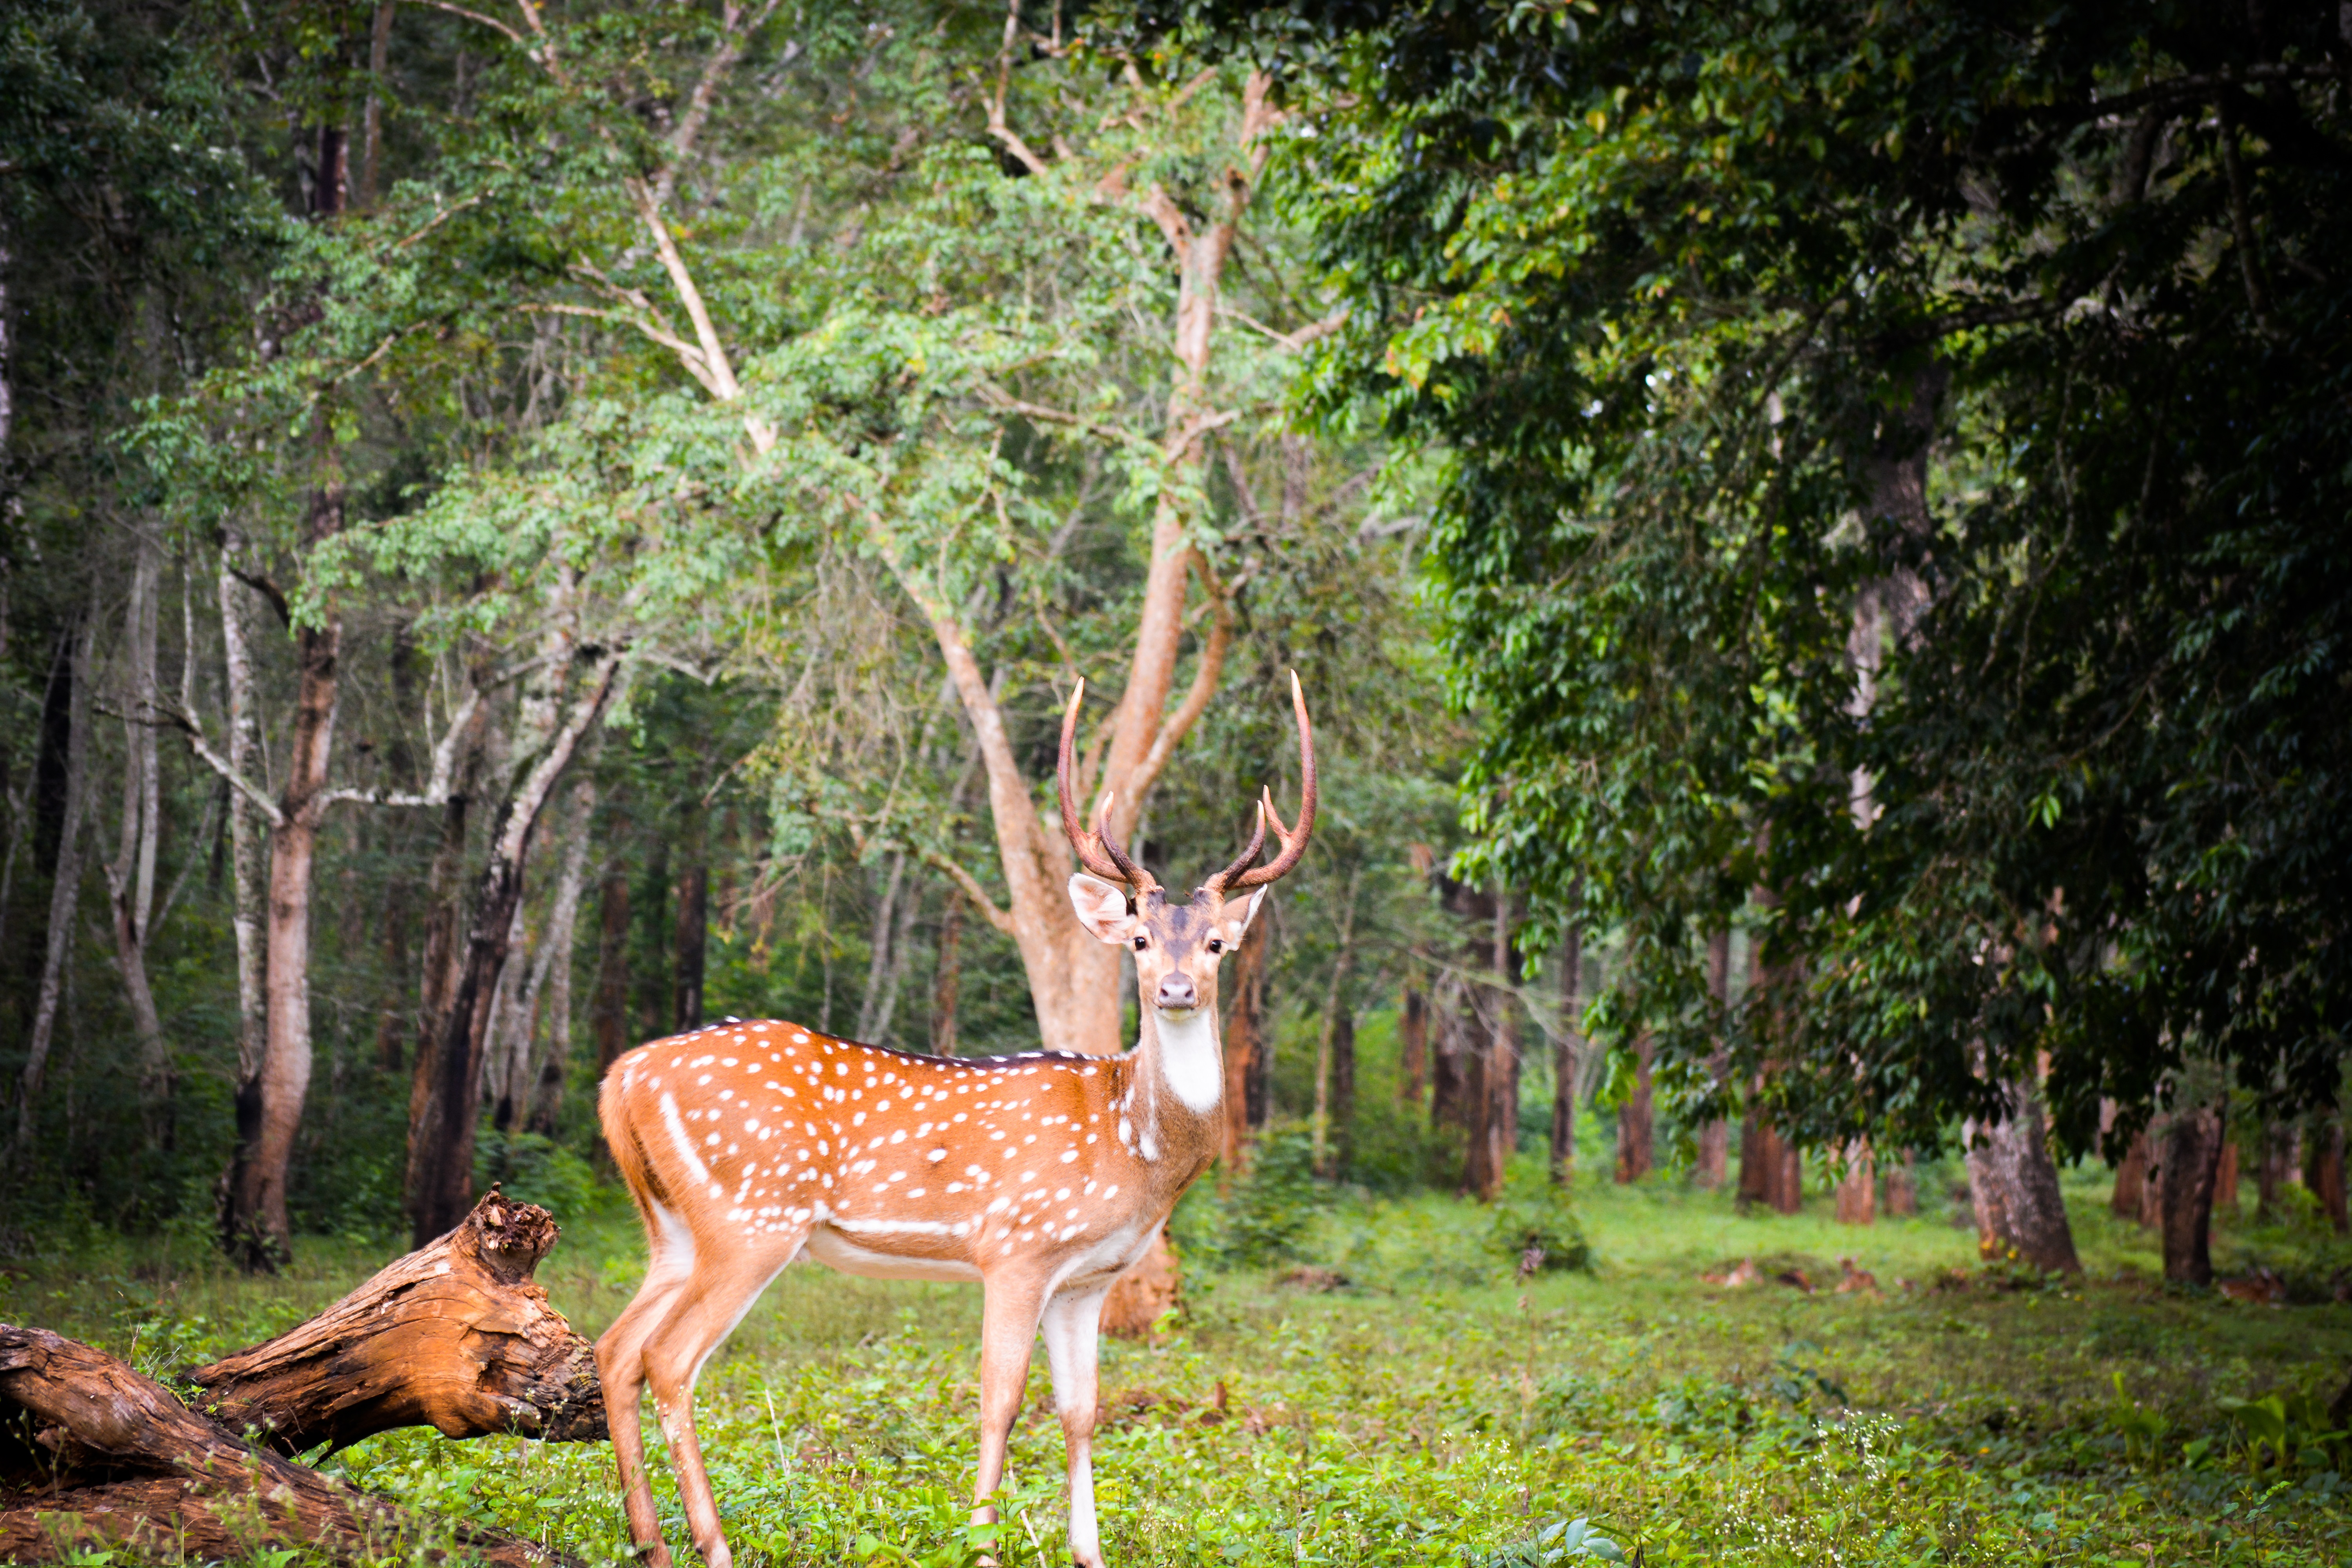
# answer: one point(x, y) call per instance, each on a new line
point(1176, 1083)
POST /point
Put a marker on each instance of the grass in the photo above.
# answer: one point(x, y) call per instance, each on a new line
point(1433, 1409)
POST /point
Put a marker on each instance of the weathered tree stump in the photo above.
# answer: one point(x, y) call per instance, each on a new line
point(456, 1336)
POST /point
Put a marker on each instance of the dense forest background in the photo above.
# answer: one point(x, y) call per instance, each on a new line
point(1816, 552)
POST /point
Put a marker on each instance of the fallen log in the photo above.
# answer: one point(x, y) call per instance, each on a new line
point(94, 1453)
point(455, 1336)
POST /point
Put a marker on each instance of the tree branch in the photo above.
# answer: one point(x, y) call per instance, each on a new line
point(996, 123)
point(1196, 700)
point(186, 724)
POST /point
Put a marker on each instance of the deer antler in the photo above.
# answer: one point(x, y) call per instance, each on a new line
point(1098, 852)
point(1241, 873)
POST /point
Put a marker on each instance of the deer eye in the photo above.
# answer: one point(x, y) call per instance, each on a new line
point(1140, 944)
point(1216, 946)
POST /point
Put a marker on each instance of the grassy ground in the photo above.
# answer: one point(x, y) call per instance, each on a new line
point(1432, 1408)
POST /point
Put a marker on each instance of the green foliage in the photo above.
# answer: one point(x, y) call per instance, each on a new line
point(1535, 1222)
point(532, 1169)
point(1267, 1213)
point(2075, 453)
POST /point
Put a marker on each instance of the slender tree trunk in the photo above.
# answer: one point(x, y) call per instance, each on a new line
point(1343, 1085)
point(550, 981)
point(1902, 1187)
point(2225, 1183)
point(656, 1001)
point(877, 952)
point(612, 966)
point(392, 1018)
point(507, 1048)
point(693, 926)
point(1567, 1058)
point(947, 975)
point(249, 881)
point(2192, 1161)
point(1714, 1161)
point(2323, 1170)
point(255, 1223)
point(1449, 1057)
point(902, 947)
point(372, 117)
point(1412, 1045)
point(1244, 1047)
point(130, 878)
point(441, 1141)
point(64, 885)
point(1857, 1188)
point(2131, 1181)
point(2274, 1168)
point(1502, 1058)
point(1636, 1125)
point(2013, 1185)
point(1332, 1005)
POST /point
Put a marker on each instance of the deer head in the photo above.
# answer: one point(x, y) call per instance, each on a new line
point(1178, 946)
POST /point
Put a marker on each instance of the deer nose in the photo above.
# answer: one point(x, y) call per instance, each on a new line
point(1176, 991)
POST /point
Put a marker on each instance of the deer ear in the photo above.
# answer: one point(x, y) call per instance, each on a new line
point(1237, 916)
point(1102, 908)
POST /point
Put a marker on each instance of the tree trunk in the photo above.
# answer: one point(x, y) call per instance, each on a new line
point(456, 1336)
point(551, 980)
point(1333, 1007)
point(693, 925)
point(2225, 1183)
point(1635, 1123)
point(248, 882)
point(1567, 1058)
point(612, 967)
point(1772, 1169)
point(2013, 1187)
point(947, 975)
point(2274, 1168)
point(64, 884)
point(2131, 1181)
point(1713, 1155)
point(1450, 1056)
point(894, 978)
point(1244, 1047)
point(1412, 1045)
point(2323, 1170)
point(1902, 1188)
point(1343, 1085)
point(1857, 1188)
point(2192, 1161)
point(130, 878)
point(877, 947)
point(256, 1221)
point(441, 1129)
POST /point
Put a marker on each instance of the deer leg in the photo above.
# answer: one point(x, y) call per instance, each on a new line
point(621, 1368)
point(1073, 1322)
point(1008, 1327)
point(705, 1312)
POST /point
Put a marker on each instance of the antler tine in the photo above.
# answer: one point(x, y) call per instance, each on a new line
point(1089, 846)
point(1293, 840)
point(1242, 862)
point(1138, 880)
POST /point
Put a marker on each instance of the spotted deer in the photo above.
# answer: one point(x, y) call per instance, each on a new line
point(1042, 1176)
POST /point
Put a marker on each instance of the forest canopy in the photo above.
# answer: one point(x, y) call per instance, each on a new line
point(535, 522)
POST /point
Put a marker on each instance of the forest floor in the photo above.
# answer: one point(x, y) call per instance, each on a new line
point(1415, 1402)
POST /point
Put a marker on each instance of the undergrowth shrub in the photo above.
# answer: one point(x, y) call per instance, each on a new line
point(1535, 1225)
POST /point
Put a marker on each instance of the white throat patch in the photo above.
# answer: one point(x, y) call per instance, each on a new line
point(1188, 1060)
